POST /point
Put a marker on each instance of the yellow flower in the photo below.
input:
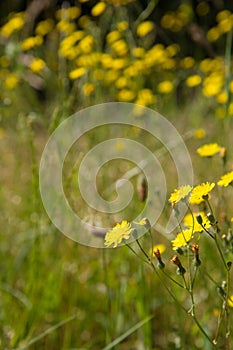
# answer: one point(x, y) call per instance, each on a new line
point(230, 300)
point(222, 97)
point(113, 36)
point(140, 52)
point(146, 97)
point(165, 87)
point(122, 26)
point(66, 27)
point(182, 239)
point(180, 193)
point(44, 27)
point(144, 28)
point(200, 193)
point(199, 133)
point(187, 62)
point(209, 150)
point(193, 80)
point(120, 232)
point(160, 247)
point(191, 222)
point(30, 42)
point(98, 9)
point(37, 65)
point(226, 179)
point(213, 34)
point(11, 81)
point(13, 25)
point(126, 95)
point(77, 73)
point(88, 89)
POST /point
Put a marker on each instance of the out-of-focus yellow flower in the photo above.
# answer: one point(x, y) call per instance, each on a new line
point(160, 247)
point(66, 27)
point(231, 86)
point(230, 109)
point(230, 301)
point(187, 62)
point(222, 97)
point(69, 13)
point(13, 25)
point(190, 221)
point(226, 179)
point(209, 150)
point(193, 80)
point(113, 36)
point(4, 61)
point(179, 193)
point(86, 44)
point(126, 95)
point(138, 52)
point(98, 74)
point(120, 47)
point(145, 28)
point(225, 25)
point(213, 34)
point(145, 97)
point(172, 50)
point(31, 42)
point(122, 26)
point(201, 192)
point(119, 233)
point(144, 222)
point(77, 73)
point(88, 89)
point(44, 27)
point(220, 112)
point(222, 15)
point(202, 8)
point(37, 65)
point(212, 84)
point(111, 76)
point(98, 9)
point(182, 239)
point(84, 21)
point(11, 81)
point(199, 133)
point(165, 87)
point(168, 20)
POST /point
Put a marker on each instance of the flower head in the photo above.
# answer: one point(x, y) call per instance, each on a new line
point(200, 193)
point(180, 193)
point(191, 222)
point(182, 239)
point(226, 179)
point(209, 150)
point(144, 222)
point(118, 233)
point(144, 28)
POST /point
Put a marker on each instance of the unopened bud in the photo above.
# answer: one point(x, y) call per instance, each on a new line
point(199, 219)
point(211, 218)
point(180, 270)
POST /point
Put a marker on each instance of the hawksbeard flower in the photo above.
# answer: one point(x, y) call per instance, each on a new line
point(118, 233)
point(182, 239)
point(209, 150)
point(226, 179)
point(180, 193)
point(200, 193)
point(191, 222)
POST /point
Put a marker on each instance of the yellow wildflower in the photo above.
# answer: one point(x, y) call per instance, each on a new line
point(213, 34)
point(202, 8)
point(226, 179)
point(119, 233)
point(66, 27)
point(113, 36)
point(209, 150)
point(144, 28)
point(122, 26)
point(199, 133)
point(222, 97)
point(182, 239)
point(190, 221)
point(77, 73)
point(180, 193)
point(11, 81)
point(14, 24)
point(200, 193)
point(187, 62)
point(98, 9)
point(30, 42)
point(160, 247)
point(37, 65)
point(126, 95)
point(165, 87)
point(193, 80)
point(230, 301)
point(44, 27)
point(88, 89)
